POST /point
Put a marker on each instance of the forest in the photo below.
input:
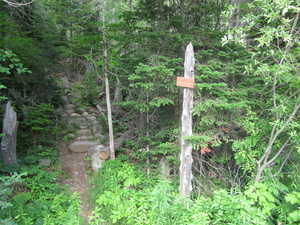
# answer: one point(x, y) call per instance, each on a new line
point(120, 60)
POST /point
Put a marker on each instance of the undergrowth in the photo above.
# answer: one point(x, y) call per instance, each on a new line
point(30, 194)
point(35, 197)
point(123, 194)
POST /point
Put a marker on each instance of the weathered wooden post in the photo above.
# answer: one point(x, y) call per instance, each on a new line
point(186, 149)
point(9, 136)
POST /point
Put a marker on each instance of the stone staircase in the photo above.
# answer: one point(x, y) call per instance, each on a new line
point(87, 132)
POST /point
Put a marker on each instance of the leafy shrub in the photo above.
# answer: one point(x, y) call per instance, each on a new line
point(124, 195)
point(40, 200)
point(6, 190)
point(294, 215)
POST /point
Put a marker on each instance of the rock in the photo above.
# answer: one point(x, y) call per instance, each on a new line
point(95, 149)
point(64, 117)
point(96, 162)
point(84, 138)
point(45, 162)
point(66, 82)
point(82, 146)
point(85, 114)
point(81, 122)
point(84, 132)
point(101, 137)
point(73, 115)
point(96, 127)
point(91, 118)
point(65, 98)
point(71, 135)
point(81, 110)
point(68, 106)
point(69, 111)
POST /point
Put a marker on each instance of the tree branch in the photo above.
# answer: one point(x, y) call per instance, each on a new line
point(18, 4)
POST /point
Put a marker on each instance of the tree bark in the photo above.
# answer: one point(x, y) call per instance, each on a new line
point(109, 114)
point(128, 6)
point(118, 92)
point(9, 138)
point(186, 149)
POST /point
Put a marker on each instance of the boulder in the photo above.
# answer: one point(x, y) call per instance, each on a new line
point(95, 149)
point(82, 146)
point(96, 162)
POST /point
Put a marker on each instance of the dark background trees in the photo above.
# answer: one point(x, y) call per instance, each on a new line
point(246, 84)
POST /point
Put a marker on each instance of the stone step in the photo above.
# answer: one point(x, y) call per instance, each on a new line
point(84, 132)
point(82, 146)
point(69, 106)
point(84, 138)
point(81, 122)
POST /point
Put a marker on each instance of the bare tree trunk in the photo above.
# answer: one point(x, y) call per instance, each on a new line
point(129, 3)
point(109, 115)
point(118, 92)
point(148, 147)
point(9, 138)
point(186, 158)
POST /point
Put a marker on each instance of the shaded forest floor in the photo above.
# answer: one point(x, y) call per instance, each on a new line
point(75, 165)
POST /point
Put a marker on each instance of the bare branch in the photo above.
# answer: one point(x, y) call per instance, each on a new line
point(18, 4)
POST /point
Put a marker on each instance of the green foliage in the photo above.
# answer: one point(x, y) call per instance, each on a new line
point(9, 63)
point(13, 62)
point(8, 185)
point(271, 123)
point(24, 65)
point(39, 199)
point(294, 199)
point(122, 195)
point(6, 188)
point(2, 97)
point(225, 208)
point(150, 81)
point(39, 124)
point(88, 89)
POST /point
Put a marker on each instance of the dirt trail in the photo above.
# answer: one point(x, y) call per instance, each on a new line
point(75, 166)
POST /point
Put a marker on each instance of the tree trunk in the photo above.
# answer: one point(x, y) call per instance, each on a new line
point(186, 148)
point(129, 3)
point(118, 92)
point(109, 115)
point(9, 138)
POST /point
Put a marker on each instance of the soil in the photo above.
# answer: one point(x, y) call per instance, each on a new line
point(75, 167)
